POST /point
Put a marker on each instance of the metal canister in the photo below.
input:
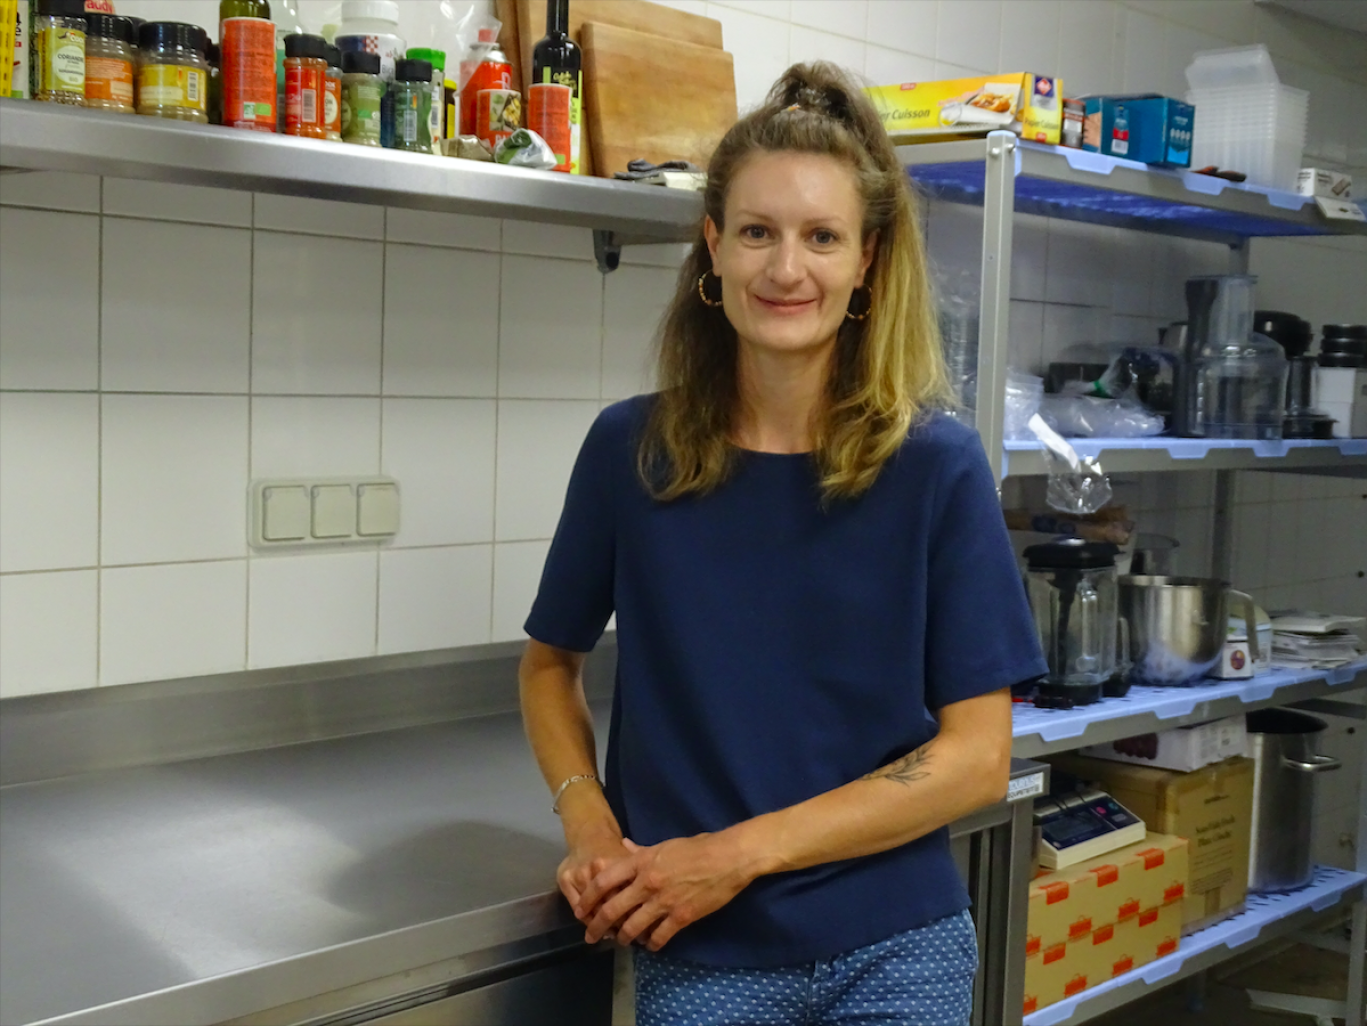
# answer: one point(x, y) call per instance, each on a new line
point(485, 69)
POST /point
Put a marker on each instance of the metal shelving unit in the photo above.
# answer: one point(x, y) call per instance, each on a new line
point(1267, 917)
point(50, 137)
point(1039, 732)
point(1005, 175)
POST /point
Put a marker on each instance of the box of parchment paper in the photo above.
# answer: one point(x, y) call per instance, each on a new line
point(1020, 102)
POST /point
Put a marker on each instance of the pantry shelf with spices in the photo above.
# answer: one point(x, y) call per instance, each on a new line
point(50, 137)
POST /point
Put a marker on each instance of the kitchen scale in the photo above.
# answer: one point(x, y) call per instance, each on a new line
point(1081, 825)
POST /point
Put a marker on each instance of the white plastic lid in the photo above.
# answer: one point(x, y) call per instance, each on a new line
point(1236, 66)
point(370, 10)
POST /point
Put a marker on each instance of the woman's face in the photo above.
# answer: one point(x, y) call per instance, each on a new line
point(790, 255)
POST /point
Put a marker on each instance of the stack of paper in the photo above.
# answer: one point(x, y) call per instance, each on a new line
point(1305, 639)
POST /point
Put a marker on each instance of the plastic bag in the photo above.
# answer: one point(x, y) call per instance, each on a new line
point(1023, 395)
point(524, 148)
point(956, 297)
point(1081, 416)
point(1076, 484)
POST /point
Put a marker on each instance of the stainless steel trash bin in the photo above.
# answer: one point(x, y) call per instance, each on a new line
point(1285, 766)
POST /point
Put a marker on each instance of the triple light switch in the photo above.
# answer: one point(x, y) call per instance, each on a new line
point(325, 511)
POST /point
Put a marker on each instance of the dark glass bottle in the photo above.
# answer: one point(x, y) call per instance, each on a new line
point(556, 116)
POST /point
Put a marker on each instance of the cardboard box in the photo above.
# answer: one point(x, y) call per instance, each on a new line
point(1316, 181)
point(1182, 748)
point(1070, 903)
point(1212, 807)
point(1020, 102)
point(1148, 128)
point(1066, 966)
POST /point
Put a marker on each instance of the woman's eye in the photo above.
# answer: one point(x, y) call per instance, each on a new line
point(753, 231)
point(822, 237)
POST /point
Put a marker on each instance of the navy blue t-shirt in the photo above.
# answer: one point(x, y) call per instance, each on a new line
point(769, 650)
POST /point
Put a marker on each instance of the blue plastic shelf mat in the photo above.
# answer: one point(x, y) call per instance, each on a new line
point(1054, 725)
point(1327, 887)
point(1199, 448)
point(963, 182)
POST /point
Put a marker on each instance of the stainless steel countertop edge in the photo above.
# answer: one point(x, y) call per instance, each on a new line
point(273, 984)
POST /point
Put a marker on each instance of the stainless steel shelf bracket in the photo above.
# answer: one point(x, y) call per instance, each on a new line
point(606, 250)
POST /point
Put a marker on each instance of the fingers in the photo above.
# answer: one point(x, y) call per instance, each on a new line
point(612, 911)
point(664, 931)
point(638, 923)
point(605, 881)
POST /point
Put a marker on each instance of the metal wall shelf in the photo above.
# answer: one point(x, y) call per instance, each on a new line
point(1075, 185)
point(49, 137)
point(1037, 732)
point(1266, 917)
point(1343, 456)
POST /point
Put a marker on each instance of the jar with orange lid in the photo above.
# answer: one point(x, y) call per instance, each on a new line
point(111, 61)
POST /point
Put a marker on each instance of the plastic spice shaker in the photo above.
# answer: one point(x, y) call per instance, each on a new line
point(437, 118)
point(305, 77)
point(57, 67)
point(110, 62)
point(362, 91)
point(412, 99)
point(332, 94)
point(173, 81)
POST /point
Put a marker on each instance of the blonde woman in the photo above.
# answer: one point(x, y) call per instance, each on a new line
point(818, 612)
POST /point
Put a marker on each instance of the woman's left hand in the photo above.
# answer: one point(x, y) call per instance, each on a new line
point(663, 888)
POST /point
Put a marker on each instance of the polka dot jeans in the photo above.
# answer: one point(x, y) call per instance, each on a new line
point(923, 977)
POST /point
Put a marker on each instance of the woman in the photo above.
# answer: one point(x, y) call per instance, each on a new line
point(818, 612)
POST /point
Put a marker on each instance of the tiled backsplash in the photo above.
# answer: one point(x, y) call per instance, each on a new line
point(162, 345)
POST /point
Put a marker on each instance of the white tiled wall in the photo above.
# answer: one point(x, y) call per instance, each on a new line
point(162, 345)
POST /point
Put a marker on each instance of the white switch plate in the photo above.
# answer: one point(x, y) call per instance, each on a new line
point(305, 512)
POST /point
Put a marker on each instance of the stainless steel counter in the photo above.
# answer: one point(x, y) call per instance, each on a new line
point(209, 889)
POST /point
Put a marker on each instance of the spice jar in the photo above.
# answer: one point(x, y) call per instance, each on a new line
point(362, 91)
point(332, 94)
point(57, 67)
point(173, 81)
point(436, 117)
point(110, 60)
point(305, 77)
point(249, 93)
point(412, 105)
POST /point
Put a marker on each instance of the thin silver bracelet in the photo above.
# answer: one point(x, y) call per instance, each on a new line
point(555, 802)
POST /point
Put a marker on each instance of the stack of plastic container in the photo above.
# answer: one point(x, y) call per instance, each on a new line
point(1246, 120)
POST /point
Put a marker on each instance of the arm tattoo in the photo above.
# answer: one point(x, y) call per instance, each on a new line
point(911, 767)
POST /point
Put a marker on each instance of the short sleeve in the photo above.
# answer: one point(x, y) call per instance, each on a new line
point(575, 597)
point(980, 636)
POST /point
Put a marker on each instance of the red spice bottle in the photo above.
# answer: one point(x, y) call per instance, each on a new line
point(305, 82)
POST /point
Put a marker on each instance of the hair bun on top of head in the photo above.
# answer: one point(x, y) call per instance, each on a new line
point(817, 88)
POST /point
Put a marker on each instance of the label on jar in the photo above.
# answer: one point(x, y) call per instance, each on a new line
point(303, 83)
point(332, 107)
point(172, 85)
point(498, 114)
point(249, 94)
point(361, 111)
point(109, 78)
point(59, 55)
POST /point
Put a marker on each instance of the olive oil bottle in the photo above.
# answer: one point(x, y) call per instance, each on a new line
point(555, 92)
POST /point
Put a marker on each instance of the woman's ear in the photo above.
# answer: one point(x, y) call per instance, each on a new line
point(869, 248)
point(712, 234)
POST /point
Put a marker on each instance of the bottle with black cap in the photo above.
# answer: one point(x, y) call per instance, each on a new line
point(412, 92)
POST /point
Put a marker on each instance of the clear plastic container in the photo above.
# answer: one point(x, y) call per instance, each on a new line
point(1240, 375)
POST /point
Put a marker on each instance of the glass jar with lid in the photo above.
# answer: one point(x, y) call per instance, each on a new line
point(306, 69)
point(111, 62)
point(57, 68)
point(412, 91)
point(173, 81)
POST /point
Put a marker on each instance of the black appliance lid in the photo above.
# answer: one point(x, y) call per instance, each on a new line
point(1071, 554)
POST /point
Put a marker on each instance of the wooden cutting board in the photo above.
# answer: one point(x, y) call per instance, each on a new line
point(524, 22)
point(653, 97)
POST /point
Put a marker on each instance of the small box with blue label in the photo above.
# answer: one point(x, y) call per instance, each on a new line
point(1151, 129)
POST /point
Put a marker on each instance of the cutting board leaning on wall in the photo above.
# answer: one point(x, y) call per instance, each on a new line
point(524, 22)
point(654, 98)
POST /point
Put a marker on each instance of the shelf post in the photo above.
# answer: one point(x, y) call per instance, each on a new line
point(994, 313)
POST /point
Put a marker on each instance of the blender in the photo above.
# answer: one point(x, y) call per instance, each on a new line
point(1072, 587)
point(1236, 383)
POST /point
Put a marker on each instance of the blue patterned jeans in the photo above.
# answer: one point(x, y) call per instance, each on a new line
point(923, 977)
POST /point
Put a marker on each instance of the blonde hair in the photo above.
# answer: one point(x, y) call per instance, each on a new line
point(887, 368)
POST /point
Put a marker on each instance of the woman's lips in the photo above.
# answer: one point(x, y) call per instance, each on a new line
point(785, 307)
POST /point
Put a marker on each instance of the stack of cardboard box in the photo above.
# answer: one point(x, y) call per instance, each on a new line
point(1103, 917)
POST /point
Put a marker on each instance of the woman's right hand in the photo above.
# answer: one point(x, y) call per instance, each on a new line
point(593, 840)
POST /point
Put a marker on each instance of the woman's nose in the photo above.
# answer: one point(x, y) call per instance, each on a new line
point(785, 263)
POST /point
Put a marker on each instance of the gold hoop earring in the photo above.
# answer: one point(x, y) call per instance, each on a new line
point(702, 292)
point(868, 305)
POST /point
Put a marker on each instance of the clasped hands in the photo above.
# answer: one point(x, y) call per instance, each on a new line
point(635, 894)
